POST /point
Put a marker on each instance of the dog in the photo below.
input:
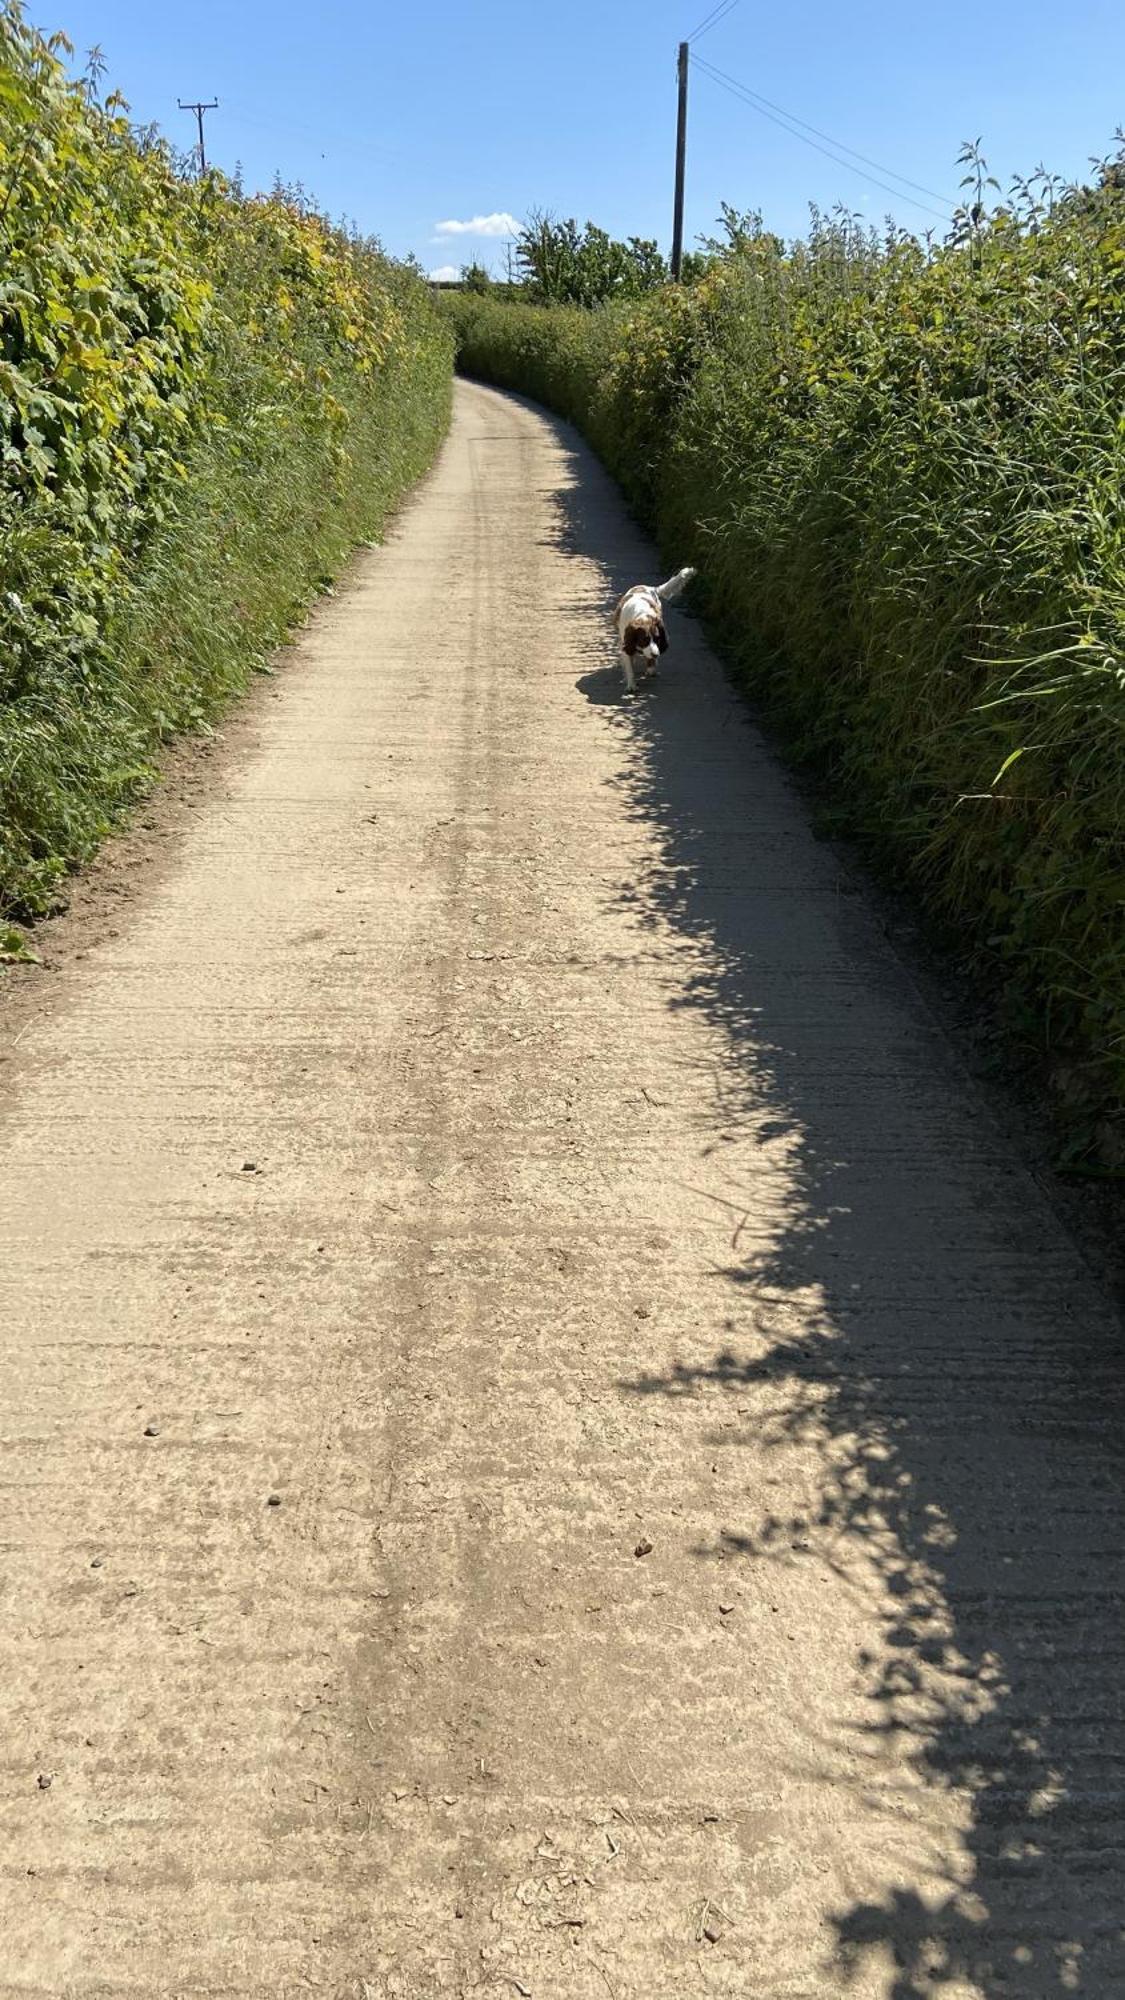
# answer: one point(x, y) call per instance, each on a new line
point(638, 620)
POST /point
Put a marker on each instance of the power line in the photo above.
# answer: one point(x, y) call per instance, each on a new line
point(712, 19)
point(707, 18)
point(918, 186)
point(335, 142)
point(789, 124)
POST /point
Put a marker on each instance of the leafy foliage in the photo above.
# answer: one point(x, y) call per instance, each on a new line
point(561, 264)
point(204, 401)
point(901, 470)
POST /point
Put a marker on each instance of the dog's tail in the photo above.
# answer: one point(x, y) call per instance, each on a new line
point(675, 586)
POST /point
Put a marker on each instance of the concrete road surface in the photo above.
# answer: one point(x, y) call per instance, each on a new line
point(550, 1446)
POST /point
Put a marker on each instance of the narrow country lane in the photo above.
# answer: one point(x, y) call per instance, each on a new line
point(550, 1446)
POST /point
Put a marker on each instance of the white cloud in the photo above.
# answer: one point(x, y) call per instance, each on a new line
point(446, 274)
point(499, 224)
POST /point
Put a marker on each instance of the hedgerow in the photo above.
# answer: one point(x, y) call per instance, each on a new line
point(900, 470)
point(205, 402)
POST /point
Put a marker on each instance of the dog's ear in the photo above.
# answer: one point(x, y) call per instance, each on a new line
point(661, 636)
point(634, 637)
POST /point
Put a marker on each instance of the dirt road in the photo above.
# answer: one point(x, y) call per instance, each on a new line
point(549, 1445)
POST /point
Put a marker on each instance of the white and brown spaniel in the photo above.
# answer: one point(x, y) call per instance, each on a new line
point(638, 620)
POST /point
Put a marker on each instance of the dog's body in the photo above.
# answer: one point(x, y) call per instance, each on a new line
point(638, 620)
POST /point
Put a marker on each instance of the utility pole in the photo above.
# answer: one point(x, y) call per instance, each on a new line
point(199, 109)
point(681, 149)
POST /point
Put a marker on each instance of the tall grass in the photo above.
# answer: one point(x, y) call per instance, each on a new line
point(205, 403)
point(901, 471)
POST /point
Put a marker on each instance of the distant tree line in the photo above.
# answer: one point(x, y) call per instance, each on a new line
point(555, 262)
point(558, 263)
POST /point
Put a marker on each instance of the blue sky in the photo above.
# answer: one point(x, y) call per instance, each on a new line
point(408, 117)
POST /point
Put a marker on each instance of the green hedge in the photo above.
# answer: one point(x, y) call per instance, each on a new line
point(901, 472)
point(205, 403)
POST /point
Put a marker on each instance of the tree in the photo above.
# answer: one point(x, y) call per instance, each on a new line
point(561, 264)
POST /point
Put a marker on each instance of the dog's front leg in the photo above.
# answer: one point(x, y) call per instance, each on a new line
point(630, 676)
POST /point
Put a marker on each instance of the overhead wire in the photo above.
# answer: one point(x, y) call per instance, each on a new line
point(337, 142)
point(711, 20)
point(832, 150)
point(918, 186)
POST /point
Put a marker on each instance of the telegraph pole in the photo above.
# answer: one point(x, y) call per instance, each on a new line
point(199, 109)
point(681, 149)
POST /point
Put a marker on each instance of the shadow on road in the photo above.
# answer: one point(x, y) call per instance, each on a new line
point(602, 687)
point(970, 1431)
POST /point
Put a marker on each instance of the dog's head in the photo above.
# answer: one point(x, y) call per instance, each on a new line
point(645, 638)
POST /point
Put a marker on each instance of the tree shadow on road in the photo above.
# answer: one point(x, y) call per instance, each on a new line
point(970, 1432)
